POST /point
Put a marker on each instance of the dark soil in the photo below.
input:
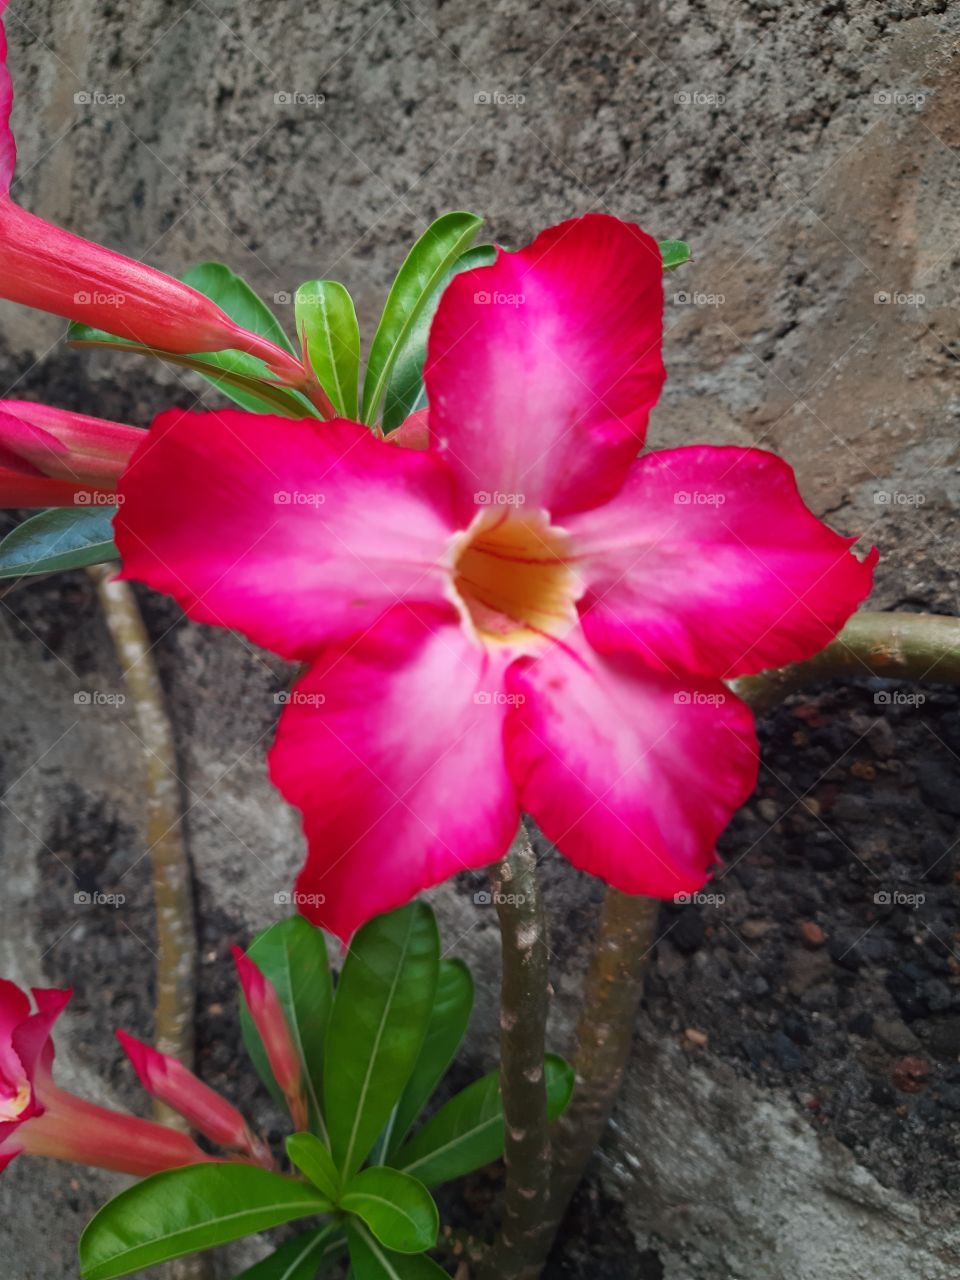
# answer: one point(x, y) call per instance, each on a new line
point(829, 965)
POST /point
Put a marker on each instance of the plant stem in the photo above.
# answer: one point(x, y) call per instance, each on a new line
point(523, 1023)
point(611, 998)
point(172, 889)
point(173, 1026)
point(908, 646)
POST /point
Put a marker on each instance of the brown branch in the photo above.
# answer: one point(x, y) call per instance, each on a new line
point(523, 1024)
point(906, 646)
point(170, 867)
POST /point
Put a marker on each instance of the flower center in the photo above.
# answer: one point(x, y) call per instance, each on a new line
point(512, 580)
point(12, 1105)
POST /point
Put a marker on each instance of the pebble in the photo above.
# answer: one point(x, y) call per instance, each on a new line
point(911, 1075)
point(699, 1039)
point(812, 934)
point(895, 1035)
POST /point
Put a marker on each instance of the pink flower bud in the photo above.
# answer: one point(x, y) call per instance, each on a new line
point(274, 1030)
point(171, 1082)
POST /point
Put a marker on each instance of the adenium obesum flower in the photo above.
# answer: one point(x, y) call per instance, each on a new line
point(54, 458)
point(169, 1081)
point(46, 267)
point(522, 615)
point(38, 1118)
point(268, 1017)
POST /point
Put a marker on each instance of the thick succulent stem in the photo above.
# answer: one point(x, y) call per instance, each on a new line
point(170, 867)
point(908, 646)
point(523, 1022)
point(612, 992)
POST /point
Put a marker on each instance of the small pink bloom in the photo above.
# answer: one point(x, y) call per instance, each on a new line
point(172, 1083)
point(45, 267)
point(521, 616)
point(51, 457)
point(39, 1118)
point(274, 1031)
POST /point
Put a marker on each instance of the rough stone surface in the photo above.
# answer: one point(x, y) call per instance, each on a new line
point(810, 180)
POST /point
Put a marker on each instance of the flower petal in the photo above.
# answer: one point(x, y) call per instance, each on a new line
point(295, 533)
point(631, 774)
point(707, 560)
point(14, 1009)
point(8, 148)
point(392, 748)
point(542, 368)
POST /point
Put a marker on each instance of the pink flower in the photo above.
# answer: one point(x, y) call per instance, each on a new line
point(50, 457)
point(45, 267)
point(168, 1080)
point(38, 1118)
point(273, 1029)
point(522, 616)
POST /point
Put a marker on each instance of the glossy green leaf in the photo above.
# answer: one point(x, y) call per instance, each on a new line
point(405, 390)
point(63, 538)
point(446, 1029)
point(369, 1260)
point(293, 955)
point(184, 1210)
point(467, 1132)
point(424, 267)
point(674, 253)
point(397, 1208)
point(242, 377)
point(313, 1160)
point(302, 1258)
point(234, 296)
point(380, 1015)
point(327, 323)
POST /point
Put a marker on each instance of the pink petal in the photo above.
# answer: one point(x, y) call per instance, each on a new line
point(631, 774)
point(14, 1009)
point(413, 432)
point(542, 368)
point(8, 148)
point(295, 533)
point(708, 560)
point(392, 748)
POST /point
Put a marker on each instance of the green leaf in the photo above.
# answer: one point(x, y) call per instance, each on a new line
point(293, 955)
point(423, 269)
point(674, 253)
point(300, 1258)
point(405, 390)
point(217, 282)
point(467, 1132)
point(369, 1260)
point(397, 1208)
point(313, 1159)
point(241, 377)
point(183, 1210)
point(446, 1029)
point(63, 538)
point(327, 322)
point(383, 1003)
